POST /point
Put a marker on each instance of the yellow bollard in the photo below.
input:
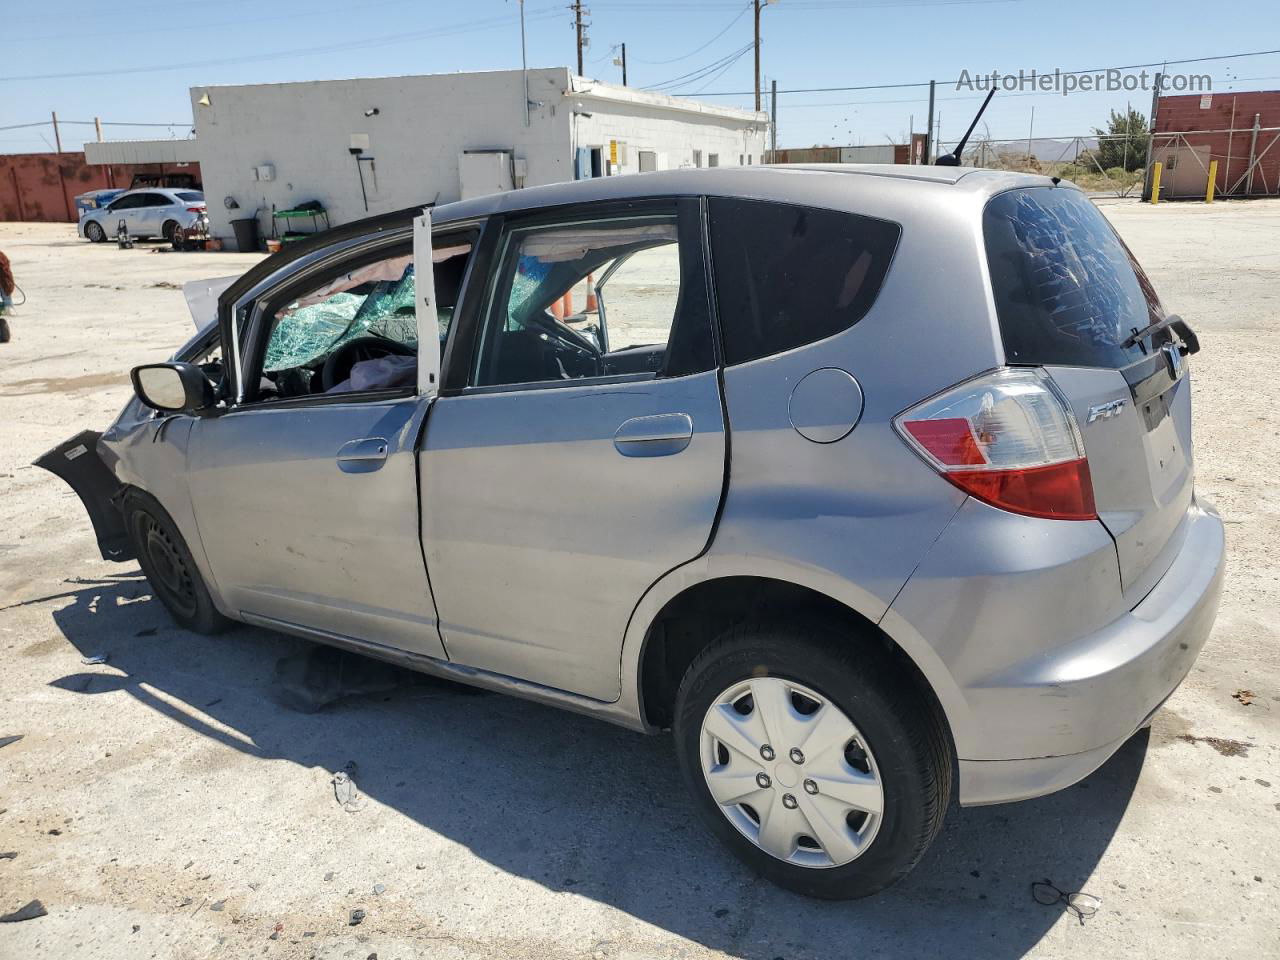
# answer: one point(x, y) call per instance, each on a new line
point(1155, 182)
point(1213, 181)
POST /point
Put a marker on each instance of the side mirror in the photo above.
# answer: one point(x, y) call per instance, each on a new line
point(173, 387)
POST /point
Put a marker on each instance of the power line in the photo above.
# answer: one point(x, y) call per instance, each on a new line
point(693, 76)
point(1064, 73)
point(727, 27)
point(383, 40)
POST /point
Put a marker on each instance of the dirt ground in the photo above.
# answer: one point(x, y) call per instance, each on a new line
point(167, 804)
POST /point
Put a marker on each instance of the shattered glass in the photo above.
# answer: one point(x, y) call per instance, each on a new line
point(304, 334)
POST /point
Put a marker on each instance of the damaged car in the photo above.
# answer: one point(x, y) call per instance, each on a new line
point(873, 485)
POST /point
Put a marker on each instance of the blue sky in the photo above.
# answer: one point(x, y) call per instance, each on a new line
point(144, 56)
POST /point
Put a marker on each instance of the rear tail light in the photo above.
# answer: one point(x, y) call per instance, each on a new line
point(1008, 439)
point(195, 209)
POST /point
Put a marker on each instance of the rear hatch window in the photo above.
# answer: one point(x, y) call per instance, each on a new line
point(1067, 290)
point(1068, 296)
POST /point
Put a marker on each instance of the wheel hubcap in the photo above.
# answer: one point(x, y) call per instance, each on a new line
point(168, 572)
point(754, 739)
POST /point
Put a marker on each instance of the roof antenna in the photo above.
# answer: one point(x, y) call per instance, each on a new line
point(952, 159)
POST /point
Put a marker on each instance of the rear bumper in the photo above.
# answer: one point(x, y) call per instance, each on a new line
point(1050, 718)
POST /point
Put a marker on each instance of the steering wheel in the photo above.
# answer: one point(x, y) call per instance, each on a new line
point(337, 366)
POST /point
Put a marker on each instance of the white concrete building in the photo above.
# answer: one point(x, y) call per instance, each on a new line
point(365, 146)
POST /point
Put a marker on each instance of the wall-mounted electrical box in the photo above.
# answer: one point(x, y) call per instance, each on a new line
point(264, 172)
point(359, 143)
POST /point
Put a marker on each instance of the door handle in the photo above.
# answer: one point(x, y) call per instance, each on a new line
point(363, 456)
point(657, 436)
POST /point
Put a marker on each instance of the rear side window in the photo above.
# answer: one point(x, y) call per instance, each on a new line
point(189, 196)
point(1067, 290)
point(789, 275)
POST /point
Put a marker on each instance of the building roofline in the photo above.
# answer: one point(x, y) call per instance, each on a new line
point(588, 89)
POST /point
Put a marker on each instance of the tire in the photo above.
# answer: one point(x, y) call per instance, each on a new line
point(799, 671)
point(4, 330)
point(167, 563)
point(169, 231)
point(94, 232)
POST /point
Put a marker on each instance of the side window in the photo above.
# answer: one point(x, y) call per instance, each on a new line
point(125, 203)
point(356, 330)
point(153, 200)
point(596, 298)
point(788, 275)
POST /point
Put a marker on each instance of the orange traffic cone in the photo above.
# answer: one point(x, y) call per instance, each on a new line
point(557, 308)
point(568, 302)
point(592, 306)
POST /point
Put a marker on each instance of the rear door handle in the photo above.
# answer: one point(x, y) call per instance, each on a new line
point(657, 436)
point(363, 456)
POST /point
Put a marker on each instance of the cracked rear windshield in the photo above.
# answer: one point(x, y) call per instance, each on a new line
point(1067, 290)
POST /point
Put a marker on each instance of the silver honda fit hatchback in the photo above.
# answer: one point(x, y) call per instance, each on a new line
point(871, 484)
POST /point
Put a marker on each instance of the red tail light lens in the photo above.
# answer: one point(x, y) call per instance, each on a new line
point(195, 209)
point(1008, 439)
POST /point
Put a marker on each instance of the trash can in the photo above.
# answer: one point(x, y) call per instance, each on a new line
point(246, 234)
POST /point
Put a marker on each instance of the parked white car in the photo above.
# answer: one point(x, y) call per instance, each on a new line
point(150, 212)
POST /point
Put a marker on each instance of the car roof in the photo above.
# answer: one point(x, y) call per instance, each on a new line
point(800, 183)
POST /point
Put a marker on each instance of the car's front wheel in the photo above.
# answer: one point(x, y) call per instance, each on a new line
point(94, 232)
point(166, 560)
point(813, 757)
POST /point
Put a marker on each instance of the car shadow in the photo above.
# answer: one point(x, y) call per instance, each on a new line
point(613, 820)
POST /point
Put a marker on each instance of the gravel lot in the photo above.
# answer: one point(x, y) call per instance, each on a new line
point(167, 805)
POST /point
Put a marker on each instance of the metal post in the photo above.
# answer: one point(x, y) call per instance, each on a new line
point(756, 4)
point(624, 64)
point(577, 24)
point(1151, 131)
point(97, 125)
point(524, 65)
point(1226, 173)
point(773, 123)
point(1030, 132)
point(928, 130)
point(1155, 183)
point(911, 138)
point(1253, 149)
point(57, 137)
point(1213, 181)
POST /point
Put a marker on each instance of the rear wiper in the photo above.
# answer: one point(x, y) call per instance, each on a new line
point(1190, 342)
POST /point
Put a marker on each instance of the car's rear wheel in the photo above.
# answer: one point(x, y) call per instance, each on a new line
point(812, 756)
point(93, 230)
point(170, 231)
point(169, 567)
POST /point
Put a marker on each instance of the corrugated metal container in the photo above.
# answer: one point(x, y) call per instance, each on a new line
point(1206, 120)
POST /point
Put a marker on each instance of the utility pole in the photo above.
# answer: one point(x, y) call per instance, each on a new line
point(928, 129)
point(773, 125)
point(97, 125)
point(524, 65)
point(577, 22)
point(57, 138)
point(1030, 132)
point(624, 64)
point(756, 4)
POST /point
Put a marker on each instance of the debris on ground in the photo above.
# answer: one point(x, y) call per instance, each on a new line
point(1228, 748)
point(8, 854)
point(356, 918)
point(165, 285)
point(32, 910)
point(344, 789)
point(5, 741)
point(94, 659)
point(218, 907)
point(379, 889)
point(1244, 696)
point(275, 933)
